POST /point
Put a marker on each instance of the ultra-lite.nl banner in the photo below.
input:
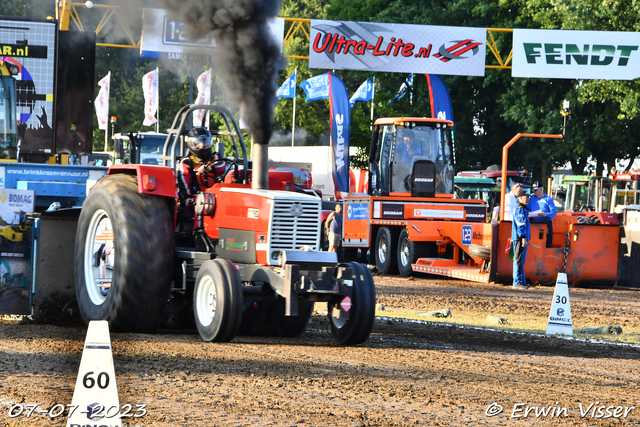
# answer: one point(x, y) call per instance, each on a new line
point(400, 48)
point(569, 54)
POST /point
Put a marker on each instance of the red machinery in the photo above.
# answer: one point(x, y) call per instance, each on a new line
point(254, 268)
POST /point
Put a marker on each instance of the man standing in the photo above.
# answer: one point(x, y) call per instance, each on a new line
point(542, 209)
point(334, 228)
point(511, 201)
point(520, 236)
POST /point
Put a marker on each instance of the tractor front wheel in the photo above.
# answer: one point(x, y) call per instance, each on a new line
point(217, 301)
point(362, 309)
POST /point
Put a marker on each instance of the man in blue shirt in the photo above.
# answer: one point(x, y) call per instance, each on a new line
point(520, 236)
point(543, 209)
point(407, 148)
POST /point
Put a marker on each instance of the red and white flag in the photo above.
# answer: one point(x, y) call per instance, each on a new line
point(204, 98)
point(150, 89)
point(102, 102)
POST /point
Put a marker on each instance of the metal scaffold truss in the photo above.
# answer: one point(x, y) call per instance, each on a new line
point(107, 20)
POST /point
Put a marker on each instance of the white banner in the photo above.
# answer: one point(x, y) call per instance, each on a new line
point(12, 201)
point(150, 89)
point(398, 48)
point(568, 54)
point(102, 102)
point(163, 37)
point(204, 98)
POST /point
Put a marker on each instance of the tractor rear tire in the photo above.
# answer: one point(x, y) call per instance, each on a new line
point(409, 252)
point(217, 301)
point(362, 313)
point(267, 318)
point(124, 239)
point(385, 251)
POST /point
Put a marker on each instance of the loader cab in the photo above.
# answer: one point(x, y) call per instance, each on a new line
point(586, 193)
point(8, 121)
point(144, 148)
point(411, 155)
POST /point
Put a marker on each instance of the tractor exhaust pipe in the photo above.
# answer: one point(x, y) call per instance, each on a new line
point(260, 166)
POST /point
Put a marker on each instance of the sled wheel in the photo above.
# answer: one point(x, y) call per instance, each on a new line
point(357, 328)
point(217, 301)
point(123, 256)
point(385, 251)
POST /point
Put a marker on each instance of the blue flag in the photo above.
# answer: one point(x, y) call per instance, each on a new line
point(316, 87)
point(364, 93)
point(288, 88)
point(340, 131)
point(439, 97)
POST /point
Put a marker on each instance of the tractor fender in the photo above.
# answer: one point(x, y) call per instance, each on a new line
point(158, 180)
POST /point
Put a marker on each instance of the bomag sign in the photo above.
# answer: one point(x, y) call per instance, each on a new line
point(576, 54)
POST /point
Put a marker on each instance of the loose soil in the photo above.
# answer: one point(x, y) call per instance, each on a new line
point(408, 373)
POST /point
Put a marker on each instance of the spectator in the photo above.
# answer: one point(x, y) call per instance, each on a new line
point(520, 236)
point(542, 209)
point(334, 228)
point(511, 201)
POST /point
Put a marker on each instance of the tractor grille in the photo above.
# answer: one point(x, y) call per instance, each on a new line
point(289, 231)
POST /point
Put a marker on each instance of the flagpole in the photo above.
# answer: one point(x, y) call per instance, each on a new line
point(293, 127)
point(373, 96)
point(106, 131)
point(158, 107)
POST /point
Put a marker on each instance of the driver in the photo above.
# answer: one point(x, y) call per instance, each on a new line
point(197, 172)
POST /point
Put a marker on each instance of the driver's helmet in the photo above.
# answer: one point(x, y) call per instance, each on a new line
point(199, 143)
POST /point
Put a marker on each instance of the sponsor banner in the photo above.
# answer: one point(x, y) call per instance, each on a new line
point(364, 93)
point(31, 46)
point(568, 54)
point(358, 211)
point(12, 201)
point(102, 102)
point(150, 90)
point(163, 37)
point(392, 210)
point(288, 88)
point(440, 100)
point(475, 213)
point(340, 130)
point(438, 213)
point(398, 48)
point(316, 87)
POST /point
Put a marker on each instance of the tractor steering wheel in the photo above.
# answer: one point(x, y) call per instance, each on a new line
point(229, 164)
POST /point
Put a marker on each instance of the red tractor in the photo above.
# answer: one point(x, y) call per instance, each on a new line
point(254, 267)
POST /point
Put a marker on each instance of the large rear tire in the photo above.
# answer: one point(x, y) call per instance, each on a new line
point(385, 251)
point(217, 301)
point(357, 328)
point(123, 256)
point(266, 318)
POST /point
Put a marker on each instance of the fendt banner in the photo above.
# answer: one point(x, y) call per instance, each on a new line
point(569, 54)
point(397, 48)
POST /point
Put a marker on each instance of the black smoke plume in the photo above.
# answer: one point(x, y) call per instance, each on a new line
point(247, 58)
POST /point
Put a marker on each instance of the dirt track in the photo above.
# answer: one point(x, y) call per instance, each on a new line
point(408, 373)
